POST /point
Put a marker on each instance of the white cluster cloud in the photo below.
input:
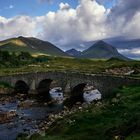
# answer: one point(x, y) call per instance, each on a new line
point(64, 6)
point(13, 27)
point(9, 7)
point(90, 21)
point(87, 22)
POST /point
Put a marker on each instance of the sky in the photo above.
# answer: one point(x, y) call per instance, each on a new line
point(69, 22)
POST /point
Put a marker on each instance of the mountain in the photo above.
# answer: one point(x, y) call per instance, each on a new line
point(32, 45)
point(73, 52)
point(127, 47)
point(101, 50)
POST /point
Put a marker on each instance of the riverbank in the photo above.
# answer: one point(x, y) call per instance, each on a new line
point(111, 66)
point(114, 119)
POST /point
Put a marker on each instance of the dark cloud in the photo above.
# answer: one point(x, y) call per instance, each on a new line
point(126, 9)
point(133, 53)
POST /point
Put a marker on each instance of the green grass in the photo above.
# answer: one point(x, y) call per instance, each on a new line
point(70, 64)
point(104, 122)
point(4, 85)
point(134, 137)
point(11, 47)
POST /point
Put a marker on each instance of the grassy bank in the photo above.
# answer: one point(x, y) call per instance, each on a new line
point(69, 64)
point(5, 88)
point(116, 118)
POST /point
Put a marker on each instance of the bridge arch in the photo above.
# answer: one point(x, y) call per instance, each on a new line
point(78, 91)
point(43, 89)
point(21, 87)
point(76, 95)
point(47, 89)
point(44, 85)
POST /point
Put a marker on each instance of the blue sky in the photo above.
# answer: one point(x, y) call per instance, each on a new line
point(108, 3)
point(30, 7)
point(10, 8)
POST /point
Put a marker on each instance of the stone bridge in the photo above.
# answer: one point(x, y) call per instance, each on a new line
point(68, 81)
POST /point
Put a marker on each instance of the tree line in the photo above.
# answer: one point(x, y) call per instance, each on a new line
point(12, 59)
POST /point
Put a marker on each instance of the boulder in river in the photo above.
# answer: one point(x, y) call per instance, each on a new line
point(25, 104)
point(92, 95)
point(56, 94)
point(7, 116)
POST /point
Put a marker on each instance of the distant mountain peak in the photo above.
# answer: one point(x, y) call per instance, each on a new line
point(73, 49)
point(73, 52)
point(102, 50)
point(20, 37)
point(100, 42)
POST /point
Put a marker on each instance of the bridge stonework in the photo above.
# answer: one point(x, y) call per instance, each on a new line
point(104, 83)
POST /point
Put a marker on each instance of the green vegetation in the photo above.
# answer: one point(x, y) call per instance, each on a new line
point(115, 119)
point(14, 63)
point(32, 45)
point(4, 85)
point(9, 60)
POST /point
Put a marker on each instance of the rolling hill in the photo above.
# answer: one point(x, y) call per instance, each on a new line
point(31, 45)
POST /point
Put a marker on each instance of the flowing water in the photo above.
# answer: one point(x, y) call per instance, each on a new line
point(26, 120)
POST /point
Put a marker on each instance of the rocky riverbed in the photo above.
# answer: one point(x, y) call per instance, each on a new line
point(45, 124)
point(22, 116)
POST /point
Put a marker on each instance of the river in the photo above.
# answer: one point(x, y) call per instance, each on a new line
point(26, 120)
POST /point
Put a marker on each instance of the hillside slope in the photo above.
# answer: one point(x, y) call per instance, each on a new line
point(32, 45)
point(102, 50)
